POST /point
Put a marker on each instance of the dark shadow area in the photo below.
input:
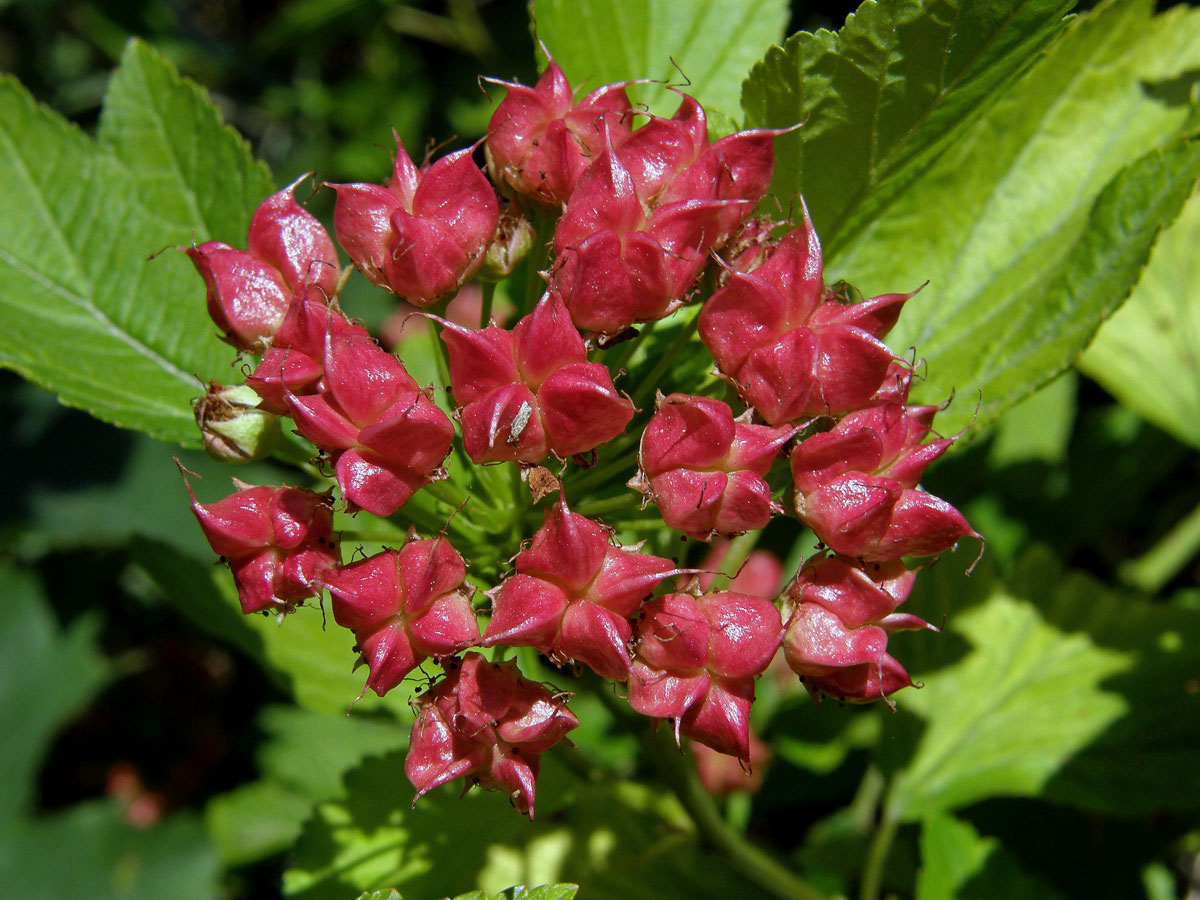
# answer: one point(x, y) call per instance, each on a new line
point(1069, 850)
point(1177, 91)
point(1122, 486)
point(55, 447)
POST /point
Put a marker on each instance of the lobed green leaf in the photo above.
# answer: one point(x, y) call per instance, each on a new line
point(1148, 354)
point(957, 863)
point(91, 311)
point(615, 838)
point(35, 699)
point(1085, 698)
point(303, 761)
point(707, 46)
point(1034, 226)
point(881, 98)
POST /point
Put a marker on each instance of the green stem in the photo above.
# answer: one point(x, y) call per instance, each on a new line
point(678, 772)
point(488, 289)
point(654, 379)
point(441, 353)
point(448, 492)
point(373, 537)
point(739, 549)
point(494, 486)
point(755, 864)
point(604, 473)
point(1155, 568)
point(631, 348)
point(517, 504)
point(610, 504)
point(877, 853)
point(538, 259)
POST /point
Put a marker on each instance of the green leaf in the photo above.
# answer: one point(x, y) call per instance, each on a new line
point(1039, 427)
point(186, 583)
point(255, 821)
point(90, 311)
point(36, 697)
point(878, 100)
point(303, 760)
point(89, 851)
point(520, 892)
point(1061, 690)
point(545, 892)
point(714, 43)
point(191, 170)
point(1004, 352)
point(1035, 224)
point(1148, 354)
point(389, 894)
point(957, 863)
point(615, 838)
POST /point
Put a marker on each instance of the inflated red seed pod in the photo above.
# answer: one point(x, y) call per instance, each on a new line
point(621, 260)
point(530, 392)
point(696, 661)
point(856, 486)
point(705, 470)
point(574, 593)
point(425, 232)
point(295, 361)
point(539, 139)
point(385, 437)
point(404, 606)
point(792, 350)
point(278, 541)
point(485, 723)
point(290, 257)
point(840, 614)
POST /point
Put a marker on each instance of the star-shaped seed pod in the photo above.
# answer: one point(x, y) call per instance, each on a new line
point(425, 232)
point(527, 393)
point(856, 486)
point(840, 614)
point(404, 606)
point(793, 350)
point(486, 723)
point(289, 257)
point(278, 541)
point(696, 661)
point(705, 470)
point(574, 593)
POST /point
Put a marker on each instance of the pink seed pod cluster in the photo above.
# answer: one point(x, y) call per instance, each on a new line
point(278, 542)
point(530, 392)
point(384, 436)
point(696, 661)
point(540, 139)
point(856, 486)
point(648, 215)
point(486, 723)
point(792, 350)
point(643, 216)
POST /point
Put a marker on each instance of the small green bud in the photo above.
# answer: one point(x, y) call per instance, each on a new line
point(235, 430)
point(511, 244)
